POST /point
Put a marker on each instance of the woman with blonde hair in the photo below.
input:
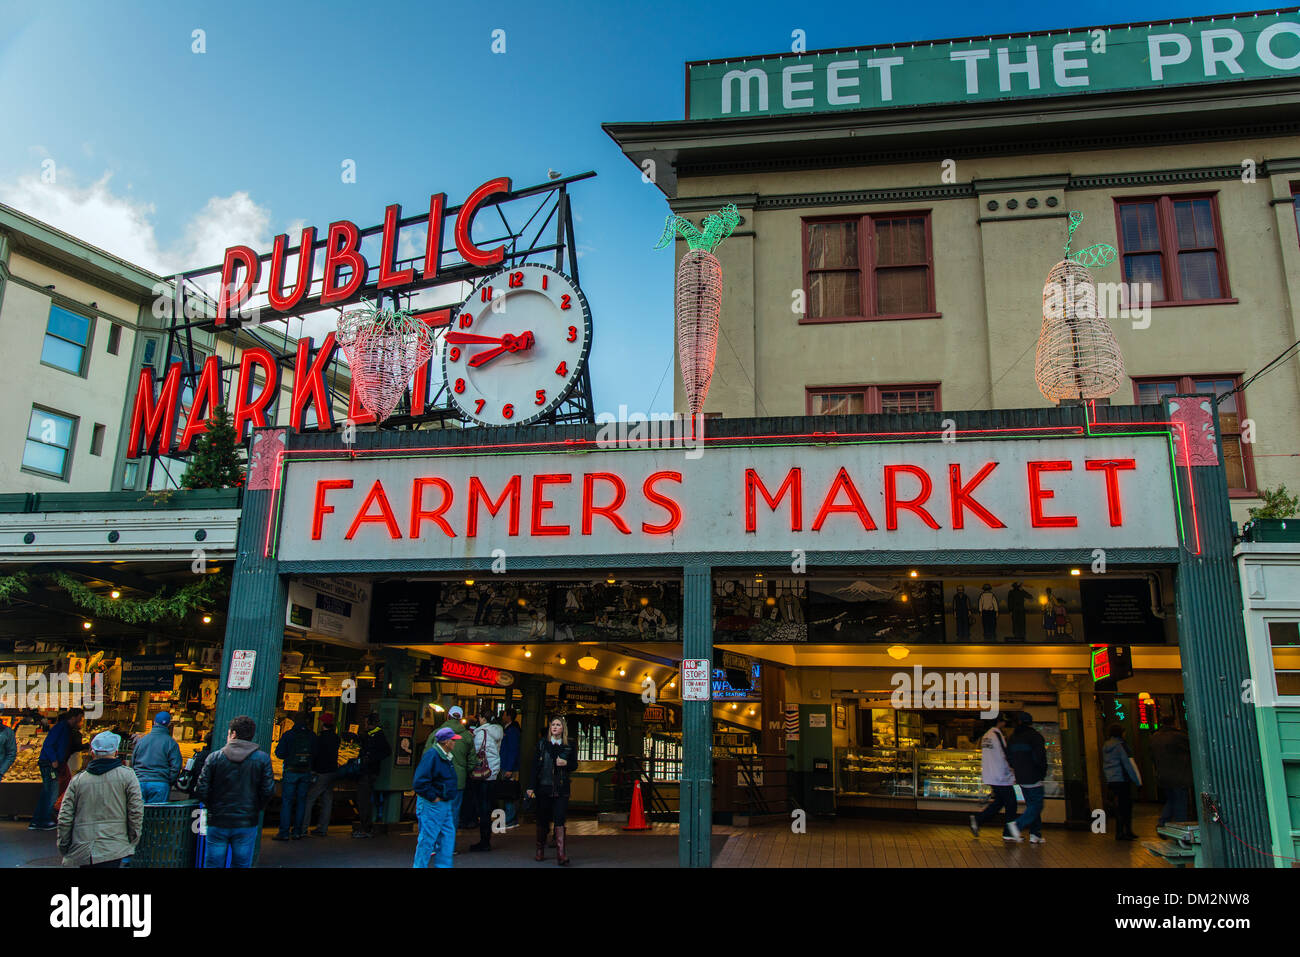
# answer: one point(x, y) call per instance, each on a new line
point(556, 760)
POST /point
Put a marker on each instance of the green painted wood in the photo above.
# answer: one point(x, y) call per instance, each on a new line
point(127, 501)
point(1278, 729)
point(12, 503)
point(696, 811)
point(1226, 762)
point(254, 622)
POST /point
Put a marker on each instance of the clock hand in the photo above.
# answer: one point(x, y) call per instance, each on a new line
point(485, 357)
point(469, 339)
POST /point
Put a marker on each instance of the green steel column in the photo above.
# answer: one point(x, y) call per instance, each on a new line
point(696, 814)
point(254, 622)
point(532, 719)
point(1212, 644)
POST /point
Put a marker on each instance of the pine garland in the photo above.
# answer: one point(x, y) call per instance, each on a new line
point(11, 585)
point(133, 611)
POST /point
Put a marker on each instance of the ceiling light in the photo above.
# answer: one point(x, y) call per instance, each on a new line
point(86, 625)
point(527, 653)
point(734, 706)
point(913, 573)
point(903, 597)
point(207, 619)
point(1074, 571)
point(366, 674)
point(563, 660)
point(897, 652)
point(586, 663)
point(609, 581)
point(622, 673)
point(115, 594)
point(673, 683)
point(469, 581)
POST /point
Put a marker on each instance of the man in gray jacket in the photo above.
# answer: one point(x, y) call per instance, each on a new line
point(157, 761)
point(102, 811)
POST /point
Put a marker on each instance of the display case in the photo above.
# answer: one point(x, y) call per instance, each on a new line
point(949, 774)
point(1053, 784)
point(882, 773)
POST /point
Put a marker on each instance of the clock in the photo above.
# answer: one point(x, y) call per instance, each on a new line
point(517, 345)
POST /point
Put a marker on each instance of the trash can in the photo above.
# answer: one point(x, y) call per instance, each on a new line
point(168, 836)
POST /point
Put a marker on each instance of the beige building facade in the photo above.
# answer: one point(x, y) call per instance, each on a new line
point(894, 259)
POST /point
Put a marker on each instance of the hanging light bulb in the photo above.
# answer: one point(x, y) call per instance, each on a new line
point(115, 594)
point(527, 653)
point(87, 625)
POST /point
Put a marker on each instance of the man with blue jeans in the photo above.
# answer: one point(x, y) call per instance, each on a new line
point(436, 801)
point(156, 761)
point(296, 747)
point(55, 752)
point(1027, 755)
point(235, 785)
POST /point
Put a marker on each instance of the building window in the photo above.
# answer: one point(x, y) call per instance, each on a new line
point(879, 266)
point(1284, 641)
point(1237, 461)
point(66, 337)
point(1175, 244)
point(97, 440)
point(1295, 204)
point(114, 338)
point(130, 474)
point(49, 443)
point(851, 400)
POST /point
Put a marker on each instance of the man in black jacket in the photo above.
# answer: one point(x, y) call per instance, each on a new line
point(374, 750)
point(325, 766)
point(1027, 755)
point(236, 783)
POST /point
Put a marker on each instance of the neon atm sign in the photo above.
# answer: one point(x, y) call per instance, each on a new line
point(978, 494)
point(155, 411)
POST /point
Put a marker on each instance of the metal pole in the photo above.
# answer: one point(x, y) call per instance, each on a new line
point(696, 816)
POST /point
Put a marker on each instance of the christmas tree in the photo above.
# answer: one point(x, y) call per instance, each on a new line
point(215, 462)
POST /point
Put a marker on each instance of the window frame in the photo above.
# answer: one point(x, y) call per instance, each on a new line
point(1295, 205)
point(1186, 385)
point(871, 402)
point(83, 369)
point(1167, 234)
point(867, 287)
point(72, 443)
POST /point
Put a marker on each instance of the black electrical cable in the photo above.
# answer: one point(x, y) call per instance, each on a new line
point(1282, 357)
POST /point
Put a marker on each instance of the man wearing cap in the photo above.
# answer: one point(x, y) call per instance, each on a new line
point(437, 800)
point(995, 771)
point(103, 810)
point(156, 760)
point(460, 752)
point(325, 767)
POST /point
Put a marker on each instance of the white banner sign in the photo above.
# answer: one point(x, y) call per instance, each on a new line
point(337, 608)
point(970, 494)
point(697, 679)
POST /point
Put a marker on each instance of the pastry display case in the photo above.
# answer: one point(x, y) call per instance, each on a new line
point(949, 774)
point(875, 773)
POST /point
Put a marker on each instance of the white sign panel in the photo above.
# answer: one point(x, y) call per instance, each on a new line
point(337, 608)
point(970, 494)
point(241, 669)
point(697, 679)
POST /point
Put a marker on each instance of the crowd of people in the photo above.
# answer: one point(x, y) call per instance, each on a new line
point(1021, 761)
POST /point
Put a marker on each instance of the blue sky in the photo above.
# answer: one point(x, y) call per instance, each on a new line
point(164, 155)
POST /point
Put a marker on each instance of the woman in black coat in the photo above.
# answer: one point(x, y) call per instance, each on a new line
point(556, 760)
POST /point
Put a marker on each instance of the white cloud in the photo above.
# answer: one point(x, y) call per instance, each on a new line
point(125, 227)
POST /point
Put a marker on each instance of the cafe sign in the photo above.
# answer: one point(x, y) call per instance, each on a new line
point(1066, 62)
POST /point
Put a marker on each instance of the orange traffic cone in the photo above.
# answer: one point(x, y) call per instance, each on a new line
point(636, 817)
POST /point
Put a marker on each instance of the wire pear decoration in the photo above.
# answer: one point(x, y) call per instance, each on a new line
point(383, 348)
point(1078, 356)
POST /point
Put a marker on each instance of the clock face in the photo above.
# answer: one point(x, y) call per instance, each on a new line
point(517, 345)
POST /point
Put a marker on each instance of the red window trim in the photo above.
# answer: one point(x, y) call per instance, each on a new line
point(871, 400)
point(866, 270)
point(1186, 384)
point(1169, 251)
